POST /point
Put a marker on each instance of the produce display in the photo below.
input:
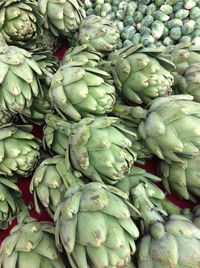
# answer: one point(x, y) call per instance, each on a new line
point(124, 95)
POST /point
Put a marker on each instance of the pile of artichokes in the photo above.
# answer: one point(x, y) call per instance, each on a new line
point(126, 91)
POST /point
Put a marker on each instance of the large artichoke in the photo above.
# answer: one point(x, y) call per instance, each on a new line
point(61, 16)
point(50, 181)
point(8, 206)
point(141, 74)
point(187, 73)
point(98, 33)
point(82, 91)
point(109, 233)
point(20, 22)
point(98, 147)
point(31, 244)
point(172, 128)
point(183, 179)
point(19, 154)
point(18, 79)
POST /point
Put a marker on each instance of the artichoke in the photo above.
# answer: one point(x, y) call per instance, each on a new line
point(19, 154)
point(83, 56)
point(18, 79)
point(50, 181)
point(187, 60)
point(137, 176)
point(41, 105)
point(20, 22)
point(103, 212)
point(168, 241)
point(61, 16)
point(141, 75)
point(171, 128)
point(183, 179)
point(100, 34)
point(97, 147)
point(31, 244)
point(82, 91)
point(175, 242)
point(8, 206)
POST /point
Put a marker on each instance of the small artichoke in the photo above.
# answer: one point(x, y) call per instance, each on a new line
point(19, 154)
point(20, 22)
point(83, 56)
point(141, 74)
point(100, 34)
point(31, 244)
point(62, 16)
point(183, 179)
point(50, 181)
point(103, 212)
point(187, 73)
point(172, 128)
point(18, 79)
point(82, 91)
point(97, 147)
point(8, 206)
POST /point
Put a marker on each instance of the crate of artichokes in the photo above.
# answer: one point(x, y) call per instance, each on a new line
point(99, 134)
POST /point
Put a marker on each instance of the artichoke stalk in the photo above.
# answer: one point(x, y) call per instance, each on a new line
point(104, 214)
point(171, 128)
point(79, 91)
point(97, 147)
point(50, 181)
point(20, 23)
point(141, 74)
point(18, 79)
point(62, 16)
point(100, 34)
point(19, 152)
point(183, 179)
point(8, 205)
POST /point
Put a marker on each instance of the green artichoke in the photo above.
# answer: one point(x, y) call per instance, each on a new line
point(20, 22)
point(19, 154)
point(103, 212)
point(141, 74)
point(187, 73)
point(172, 128)
point(168, 241)
point(175, 242)
point(97, 147)
point(5, 117)
point(100, 34)
point(82, 91)
point(61, 16)
point(41, 105)
point(31, 244)
point(183, 179)
point(83, 56)
point(135, 177)
point(50, 181)
point(8, 206)
point(18, 79)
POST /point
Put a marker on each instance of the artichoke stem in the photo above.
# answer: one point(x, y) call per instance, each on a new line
point(23, 211)
point(59, 124)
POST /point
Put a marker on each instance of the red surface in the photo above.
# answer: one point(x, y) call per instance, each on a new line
point(24, 182)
